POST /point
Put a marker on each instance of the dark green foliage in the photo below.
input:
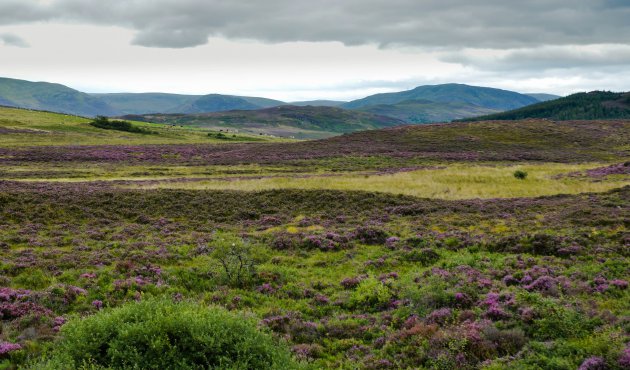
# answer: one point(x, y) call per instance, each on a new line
point(106, 124)
point(161, 334)
point(580, 106)
point(521, 175)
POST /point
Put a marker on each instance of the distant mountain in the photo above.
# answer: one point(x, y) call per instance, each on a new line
point(426, 111)
point(544, 97)
point(50, 97)
point(484, 97)
point(329, 120)
point(139, 103)
point(62, 99)
point(580, 106)
point(318, 103)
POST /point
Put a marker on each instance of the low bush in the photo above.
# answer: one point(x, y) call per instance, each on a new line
point(161, 334)
point(521, 175)
point(106, 124)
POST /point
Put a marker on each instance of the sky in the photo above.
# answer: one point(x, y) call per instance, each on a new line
point(326, 49)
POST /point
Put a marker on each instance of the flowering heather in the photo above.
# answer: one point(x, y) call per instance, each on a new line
point(6, 347)
point(593, 363)
point(408, 283)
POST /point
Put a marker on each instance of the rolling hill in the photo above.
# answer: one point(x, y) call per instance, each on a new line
point(303, 122)
point(426, 111)
point(580, 106)
point(138, 103)
point(50, 97)
point(62, 99)
point(30, 128)
point(484, 97)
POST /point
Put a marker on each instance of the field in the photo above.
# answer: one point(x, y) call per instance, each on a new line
point(409, 247)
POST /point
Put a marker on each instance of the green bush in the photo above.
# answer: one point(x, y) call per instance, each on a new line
point(105, 123)
point(521, 175)
point(161, 334)
point(371, 294)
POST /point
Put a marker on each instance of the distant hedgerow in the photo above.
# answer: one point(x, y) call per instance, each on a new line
point(106, 124)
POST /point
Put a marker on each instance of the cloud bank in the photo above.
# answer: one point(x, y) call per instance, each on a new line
point(494, 24)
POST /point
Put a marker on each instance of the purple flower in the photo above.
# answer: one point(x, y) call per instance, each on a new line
point(97, 304)
point(624, 359)
point(6, 347)
point(593, 363)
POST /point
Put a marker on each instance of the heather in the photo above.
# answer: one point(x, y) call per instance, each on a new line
point(410, 247)
point(344, 279)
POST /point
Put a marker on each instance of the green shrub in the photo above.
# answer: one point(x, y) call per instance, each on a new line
point(521, 175)
point(106, 124)
point(161, 334)
point(236, 257)
point(370, 294)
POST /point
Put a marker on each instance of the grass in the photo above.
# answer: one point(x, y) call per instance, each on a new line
point(459, 181)
point(22, 128)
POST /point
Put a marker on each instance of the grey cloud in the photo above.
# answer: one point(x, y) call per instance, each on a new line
point(544, 58)
point(13, 40)
point(430, 23)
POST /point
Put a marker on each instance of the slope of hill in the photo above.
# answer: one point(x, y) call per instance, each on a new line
point(139, 103)
point(282, 120)
point(425, 111)
point(143, 103)
point(29, 128)
point(451, 93)
point(543, 96)
point(318, 103)
point(580, 106)
point(62, 99)
point(50, 97)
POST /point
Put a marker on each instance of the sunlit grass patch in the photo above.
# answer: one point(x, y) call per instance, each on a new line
point(457, 181)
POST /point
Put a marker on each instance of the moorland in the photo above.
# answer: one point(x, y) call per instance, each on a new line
point(492, 244)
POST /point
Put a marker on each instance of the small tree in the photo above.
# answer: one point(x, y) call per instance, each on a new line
point(236, 259)
point(521, 175)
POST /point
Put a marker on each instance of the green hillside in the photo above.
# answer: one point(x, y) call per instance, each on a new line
point(20, 127)
point(580, 106)
point(485, 97)
point(138, 103)
point(425, 111)
point(296, 121)
point(51, 97)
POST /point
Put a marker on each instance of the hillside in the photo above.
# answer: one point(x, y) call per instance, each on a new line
point(62, 99)
point(485, 97)
point(580, 106)
point(426, 111)
point(20, 127)
point(139, 103)
point(318, 103)
point(283, 120)
point(50, 97)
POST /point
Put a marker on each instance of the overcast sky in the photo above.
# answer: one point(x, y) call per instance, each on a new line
point(324, 49)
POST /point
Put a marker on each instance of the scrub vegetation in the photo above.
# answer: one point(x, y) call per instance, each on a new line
point(409, 247)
